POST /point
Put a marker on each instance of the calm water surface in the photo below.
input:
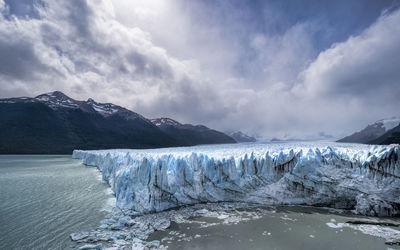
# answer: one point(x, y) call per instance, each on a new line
point(282, 228)
point(43, 199)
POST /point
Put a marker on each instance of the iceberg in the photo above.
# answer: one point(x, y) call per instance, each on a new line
point(362, 178)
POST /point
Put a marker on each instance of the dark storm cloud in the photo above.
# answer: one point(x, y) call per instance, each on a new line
point(24, 8)
point(19, 61)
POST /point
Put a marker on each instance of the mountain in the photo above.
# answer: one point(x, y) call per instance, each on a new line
point(188, 134)
point(242, 137)
point(320, 136)
point(373, 131)
point(54, 123)
point(390, 137)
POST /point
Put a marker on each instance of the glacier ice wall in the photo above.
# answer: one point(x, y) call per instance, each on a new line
point(363, 178)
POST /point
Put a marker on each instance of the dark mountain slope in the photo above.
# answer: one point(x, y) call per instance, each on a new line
point(372, 131)
point(369, 133)
point(390, 137)
point(55, 123)
point(36, 128)
point(242, 137)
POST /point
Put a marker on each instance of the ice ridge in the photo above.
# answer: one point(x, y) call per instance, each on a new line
point(365, 179)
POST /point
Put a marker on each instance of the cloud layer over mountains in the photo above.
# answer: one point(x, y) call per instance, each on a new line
point(260, 67)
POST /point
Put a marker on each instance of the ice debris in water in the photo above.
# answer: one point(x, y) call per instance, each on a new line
point(90, 247)
point(133, 231)
point(392, 236)
point(79, 236)
point(347, 176)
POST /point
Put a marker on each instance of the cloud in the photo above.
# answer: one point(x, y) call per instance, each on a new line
point(80, 48)
point(344, 88)
point(357, 79)
point(364, 66)
point(219, 65)
point(279, 58)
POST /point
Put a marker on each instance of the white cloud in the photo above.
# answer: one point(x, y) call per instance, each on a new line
point(366, 63)
point(357, 80)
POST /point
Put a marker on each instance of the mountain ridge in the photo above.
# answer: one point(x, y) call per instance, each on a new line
point(188, 132)
point(239, 136)
point(392, 136)
point(372, 132)
point(55, 123)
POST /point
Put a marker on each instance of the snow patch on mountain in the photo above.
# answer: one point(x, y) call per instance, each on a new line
point(57, 99)
point(389, 123)
point(373, 131)
point(242, 137)
point(165, 121)
point(103, 108)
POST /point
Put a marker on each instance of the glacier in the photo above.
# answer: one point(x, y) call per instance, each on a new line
point(362, 178)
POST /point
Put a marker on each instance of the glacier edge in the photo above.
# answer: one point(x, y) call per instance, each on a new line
point(365, 179)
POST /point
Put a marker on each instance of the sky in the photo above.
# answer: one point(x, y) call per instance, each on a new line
point(283, 69)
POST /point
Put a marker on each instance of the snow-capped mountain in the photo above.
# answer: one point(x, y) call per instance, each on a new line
point(392, 136)
point(372, 131)
point(55, 123)
point(321, 136)
point(242, 137)
point(58, 100)
point(187, 133)
point(389, 123)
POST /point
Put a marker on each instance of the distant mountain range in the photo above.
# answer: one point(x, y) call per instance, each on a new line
point(186, 134)
point(385, 131)
point(55, 123)
point(242, 137)
point(321, 136)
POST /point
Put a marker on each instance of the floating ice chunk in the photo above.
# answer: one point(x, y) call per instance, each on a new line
point(333, 225)
point(202, 211)
point(223, 216)
point(79, 236)
point(154, 243)
point(391, 235)
point(90, 247)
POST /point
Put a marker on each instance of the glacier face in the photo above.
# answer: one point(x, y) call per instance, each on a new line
point(363, 178)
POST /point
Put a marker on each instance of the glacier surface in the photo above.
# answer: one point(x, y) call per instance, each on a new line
point(362, 178)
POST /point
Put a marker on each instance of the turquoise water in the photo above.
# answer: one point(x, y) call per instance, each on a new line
point(43, 199)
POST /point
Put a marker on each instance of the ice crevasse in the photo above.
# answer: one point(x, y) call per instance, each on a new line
point(365, 179)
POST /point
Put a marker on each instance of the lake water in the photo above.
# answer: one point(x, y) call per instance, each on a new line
point(43, 199)
point(274, 228)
